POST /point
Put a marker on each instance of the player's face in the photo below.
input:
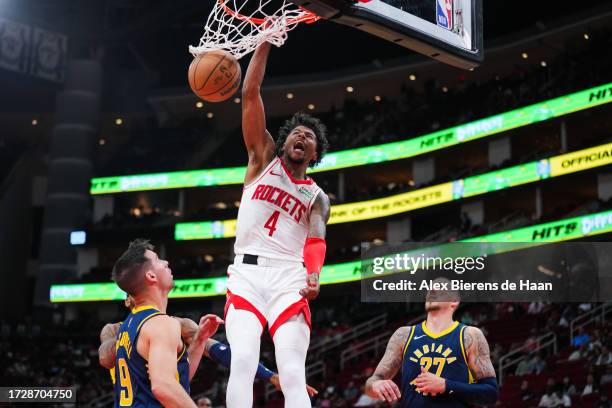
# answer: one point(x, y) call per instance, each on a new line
point(160, 269)
point(301, 145)
point(440, 300)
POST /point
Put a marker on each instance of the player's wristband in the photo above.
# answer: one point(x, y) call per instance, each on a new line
point(222, 354)
point(483, 392)
point(314, 254)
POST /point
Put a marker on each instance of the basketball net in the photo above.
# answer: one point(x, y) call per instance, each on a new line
point(227, 28)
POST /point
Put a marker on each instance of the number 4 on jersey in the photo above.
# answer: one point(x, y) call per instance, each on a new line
point(270, 225)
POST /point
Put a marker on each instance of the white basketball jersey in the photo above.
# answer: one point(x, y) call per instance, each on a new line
point(274, 214)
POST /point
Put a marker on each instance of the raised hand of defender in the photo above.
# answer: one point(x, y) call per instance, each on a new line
point(386, 390)
point(207, 327)
point(311, 291)
point(429, 384)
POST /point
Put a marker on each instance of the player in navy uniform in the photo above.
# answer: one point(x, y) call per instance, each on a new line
point(151, 366)
point(443, 363)
point(218, 352)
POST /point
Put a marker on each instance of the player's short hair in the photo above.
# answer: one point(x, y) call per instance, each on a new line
point(128, 270)
point(304, 119)
point(449, 295)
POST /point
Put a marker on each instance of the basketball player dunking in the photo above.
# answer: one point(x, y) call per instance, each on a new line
point(444, 363)
point(280, 246)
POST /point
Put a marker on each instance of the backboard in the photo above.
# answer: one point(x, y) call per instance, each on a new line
point(447, 30)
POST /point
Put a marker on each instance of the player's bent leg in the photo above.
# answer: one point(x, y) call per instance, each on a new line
point(243, 331)
point(291, 341)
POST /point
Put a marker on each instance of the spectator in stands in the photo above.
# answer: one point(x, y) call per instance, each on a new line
point(526, 366)
point(581, 338)
point(351, 392)
point(531, 343)
point(535, 308)
point(364, 400)
point(595, 343)
point(603, 402)
point(591, 386)
point(565, 318)
point(496, 353)
point(204, 402)
point(579, 353)
point(539, 365)
point(553, 398)
point(568, 387)
point(606, 378)
point(605, 357)
point(467, 318)
point(526, 392)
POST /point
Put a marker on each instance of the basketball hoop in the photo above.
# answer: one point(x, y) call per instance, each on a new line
point(231, 29)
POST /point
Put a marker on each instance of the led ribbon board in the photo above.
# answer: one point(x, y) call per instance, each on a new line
point(372, 154)
point(429, 196)
point(562, 230)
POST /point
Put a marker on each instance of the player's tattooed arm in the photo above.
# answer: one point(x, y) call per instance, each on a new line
point(258, 141)
point(107, 351)
point(189, 329)
point(315, 247)
point(478, 354)
point(319, 215)
point(380, 385)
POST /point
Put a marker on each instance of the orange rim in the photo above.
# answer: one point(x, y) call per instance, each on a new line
point(309, 17)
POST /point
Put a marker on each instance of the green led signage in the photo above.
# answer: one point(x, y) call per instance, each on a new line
point(372, 154)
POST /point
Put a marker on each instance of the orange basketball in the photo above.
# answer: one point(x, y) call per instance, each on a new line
point(215, 76)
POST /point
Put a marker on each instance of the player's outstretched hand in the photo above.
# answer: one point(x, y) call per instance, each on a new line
point(429, 384)
point(311, 291)
point(386, 390)
point(207, 327)
point(275, 380)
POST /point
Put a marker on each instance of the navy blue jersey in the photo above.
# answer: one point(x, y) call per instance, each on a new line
point(132, 383)
point(442, 354)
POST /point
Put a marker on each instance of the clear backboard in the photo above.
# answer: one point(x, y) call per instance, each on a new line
point(447, 30)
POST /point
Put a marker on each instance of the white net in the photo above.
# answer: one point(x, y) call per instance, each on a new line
point(239, 26)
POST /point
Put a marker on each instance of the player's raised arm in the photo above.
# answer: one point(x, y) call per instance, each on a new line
point(107, 351)
point(380, 385)
point(163, 335)
point(315, 247)
point(258, 141)
point(207, 327)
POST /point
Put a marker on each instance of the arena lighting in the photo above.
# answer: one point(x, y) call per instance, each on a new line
point(403, 149)
point(78, 238)
point(426, 197)
point(210, 115)
point(445, 89)
point(311, 106)
point(289, 95)
point(586, 36)
point(543, 64)
point(102, 142)
point(412, 77)
point(377, 98)
point(349, 89)
point(118, 121)
point(236, 100)
point(524, 55)
point(34, 122)
point(582, 226)
point(199, 104)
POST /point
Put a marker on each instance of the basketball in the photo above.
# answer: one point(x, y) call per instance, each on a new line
point(214, 76)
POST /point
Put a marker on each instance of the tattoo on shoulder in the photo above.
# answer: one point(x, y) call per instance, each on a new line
point(479, 355)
